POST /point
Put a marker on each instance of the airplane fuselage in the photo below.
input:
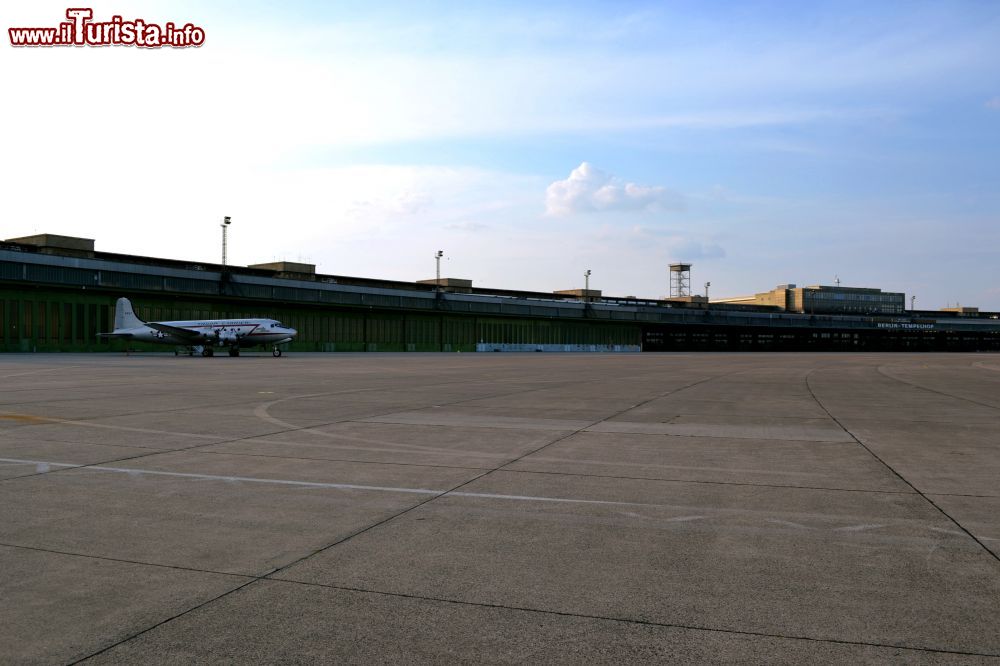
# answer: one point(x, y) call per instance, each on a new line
point(217, 332)
point(200, 335)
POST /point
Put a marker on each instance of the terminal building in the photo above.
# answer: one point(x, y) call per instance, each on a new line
point(819, 299)
point(57, 293)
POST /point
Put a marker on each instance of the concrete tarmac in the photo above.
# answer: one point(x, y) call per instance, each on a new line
point(556, 508)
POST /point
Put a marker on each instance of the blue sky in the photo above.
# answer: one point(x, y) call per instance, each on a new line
point(764, 142)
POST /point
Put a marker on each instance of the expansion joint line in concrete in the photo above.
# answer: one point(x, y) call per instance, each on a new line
point(87, 423)
point(136, 457)
point(899, 476)
point(342, 539)
point(723, 483)
point(484, 474)
point(522, 609)
point(292, 428)
point(881, 371)
point(120, 560)
point(163, 622)
point(131, 395)
point(625, 620)
point(250, 579)
point(270, 574)
point(353, 461)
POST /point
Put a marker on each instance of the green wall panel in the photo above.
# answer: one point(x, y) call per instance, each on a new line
point(37, 318)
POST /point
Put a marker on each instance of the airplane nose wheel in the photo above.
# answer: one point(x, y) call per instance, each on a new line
point(276, 352)
point(234, 351)
point(208, 351)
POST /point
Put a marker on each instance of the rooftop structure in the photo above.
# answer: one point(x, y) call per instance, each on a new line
point(287, 267)
point(962, 310)
point(56, 244)
point(453, 285)
point(680, 280)
point(696, 300)
point(585, 294)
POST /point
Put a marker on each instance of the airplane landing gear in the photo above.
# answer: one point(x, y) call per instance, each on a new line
point(207, 351)
point(234, 351)
point(276, 353)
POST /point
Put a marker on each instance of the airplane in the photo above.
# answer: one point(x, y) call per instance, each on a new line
point(200, 336)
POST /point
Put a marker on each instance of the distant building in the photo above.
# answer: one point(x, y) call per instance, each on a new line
point(820, 299)
point(57, 293)
point(962, 310)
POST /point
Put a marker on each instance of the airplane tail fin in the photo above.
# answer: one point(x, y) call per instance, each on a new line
point(124, 315)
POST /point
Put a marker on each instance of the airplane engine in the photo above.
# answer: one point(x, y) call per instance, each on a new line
point(224, 337)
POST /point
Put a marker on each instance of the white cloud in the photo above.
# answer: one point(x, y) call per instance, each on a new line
point(471, 227)
point(688, 249)
point(404, 203)
point(671, 244)
point(412, 203)
point(589, 189)
point(993, 104)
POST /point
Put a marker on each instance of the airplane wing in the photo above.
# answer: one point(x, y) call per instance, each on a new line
point(114, 335)
point(176, 331)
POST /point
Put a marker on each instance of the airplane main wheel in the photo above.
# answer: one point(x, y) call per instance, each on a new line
point(276, 353)
point(234, 351)
point(208, 352)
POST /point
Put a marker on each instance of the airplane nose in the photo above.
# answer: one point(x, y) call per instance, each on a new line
point(292, 331)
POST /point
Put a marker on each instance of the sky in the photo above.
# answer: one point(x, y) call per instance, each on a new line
point(763, 142)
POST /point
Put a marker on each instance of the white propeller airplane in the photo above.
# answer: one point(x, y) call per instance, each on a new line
point(200, 336)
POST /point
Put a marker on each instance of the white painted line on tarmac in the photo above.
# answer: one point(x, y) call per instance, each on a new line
point(35, 372)
point(43, 466)
point(788, 523)
point(684, 519)
point(531, 498)
point(858, 528)
point(131, 471)
point(18, 461)
point(699, 468)
point(315, 484)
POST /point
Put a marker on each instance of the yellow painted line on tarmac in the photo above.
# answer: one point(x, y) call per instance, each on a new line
point(26, 418)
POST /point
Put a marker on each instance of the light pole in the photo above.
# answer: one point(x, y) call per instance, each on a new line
point(586, 285)
point(912, 299)
point(226, 221)
point(437, 258)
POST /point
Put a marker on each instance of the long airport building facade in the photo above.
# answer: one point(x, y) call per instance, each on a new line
point(57, 294)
